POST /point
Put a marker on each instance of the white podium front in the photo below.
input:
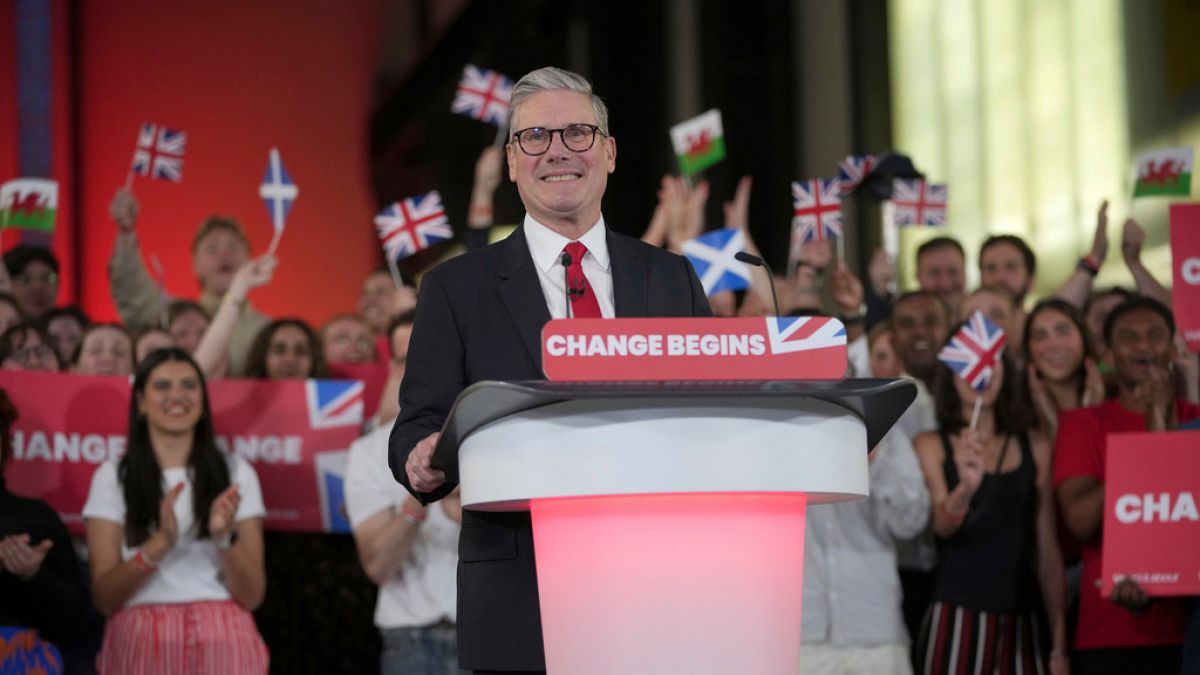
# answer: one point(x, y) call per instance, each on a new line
point(668, 518)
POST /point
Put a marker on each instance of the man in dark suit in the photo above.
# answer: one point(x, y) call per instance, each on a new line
point(480, 316)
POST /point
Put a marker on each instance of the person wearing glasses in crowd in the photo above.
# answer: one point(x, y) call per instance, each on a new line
point(26, 346)
point(480, 316)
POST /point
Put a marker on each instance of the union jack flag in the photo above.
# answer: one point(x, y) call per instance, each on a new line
point(413, 224)
point(818, 210)
point(159, 152)
point(334, 403)
point(854, 170)
point(788, 334)
point(919, 203)
point(483, 94)
point(974, 350)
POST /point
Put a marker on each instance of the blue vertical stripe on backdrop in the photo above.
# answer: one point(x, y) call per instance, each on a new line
point(34, 97)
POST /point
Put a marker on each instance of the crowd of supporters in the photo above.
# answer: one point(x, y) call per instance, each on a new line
point(977, 550)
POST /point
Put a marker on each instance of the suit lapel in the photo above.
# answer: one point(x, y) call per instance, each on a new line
point(518, 282)
point(628, 275)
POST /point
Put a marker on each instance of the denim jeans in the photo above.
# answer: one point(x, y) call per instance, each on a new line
point(429, 650)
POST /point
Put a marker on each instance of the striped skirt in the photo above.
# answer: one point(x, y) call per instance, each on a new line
point(956, 640)
point(195, 637)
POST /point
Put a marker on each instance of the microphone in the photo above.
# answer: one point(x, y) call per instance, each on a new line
point(566, 264)
point(759, 262)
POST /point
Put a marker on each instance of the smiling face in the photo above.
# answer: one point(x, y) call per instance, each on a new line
point(106, 351)
point(1002, 264)
point(561, 189)
point(173, 398)
point(943, 271)
point(1055, 346)
point(920, 325)
point(1141, 344)
point(289, 354)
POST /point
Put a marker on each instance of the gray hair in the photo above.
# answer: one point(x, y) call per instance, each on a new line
point(556, 79)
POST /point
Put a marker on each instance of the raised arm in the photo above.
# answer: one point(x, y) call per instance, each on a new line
point(138, 299)
point(1132, 239)
point(480, 216)
point(1078, 286)
point(214, 346)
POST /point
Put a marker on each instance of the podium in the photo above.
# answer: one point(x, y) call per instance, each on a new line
point(668, 517)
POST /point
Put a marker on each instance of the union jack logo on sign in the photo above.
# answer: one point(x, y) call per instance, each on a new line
point(413, 224)
point(974, 350)
point(919, 203)
point(159, 152)
point(854, 170)
point(788, 334)
point(817, 205)
point(483, 94)
point(334, 403)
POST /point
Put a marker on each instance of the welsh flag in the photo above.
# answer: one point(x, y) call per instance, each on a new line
point(699, 142)
point(28, 204)
point(1164, 172)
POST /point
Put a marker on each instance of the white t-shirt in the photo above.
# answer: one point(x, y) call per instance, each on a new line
point(191, 571)
point(423, 591)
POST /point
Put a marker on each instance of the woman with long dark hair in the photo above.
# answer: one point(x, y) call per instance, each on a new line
point(993, 516)
point(1063, 372)
point(174, 532)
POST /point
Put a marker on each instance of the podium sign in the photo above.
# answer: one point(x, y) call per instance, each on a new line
point(639, 350)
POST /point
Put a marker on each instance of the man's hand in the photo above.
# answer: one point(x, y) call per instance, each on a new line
point(1155, 396)
point(1100, 239)
point(21, 559)
point(1129, 594)
point(422, 477)
point(1132, 238)
point(881, 272)
point(845, 289)
point(124, 210)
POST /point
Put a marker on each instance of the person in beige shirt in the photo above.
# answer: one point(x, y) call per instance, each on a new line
point(219, 249)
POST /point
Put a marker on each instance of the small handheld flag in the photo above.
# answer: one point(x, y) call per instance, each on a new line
point(278, 193)
point(919, 203)
point(817, 209)
point(853, 170)
point(1164, 172)
point(712, 255)
point(484, 95)
point(699, 142)
point(158, 153)
point(28, 204)
point(412, 224)
point(973, 352)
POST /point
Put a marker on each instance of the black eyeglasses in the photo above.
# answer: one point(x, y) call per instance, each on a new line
point(536, 141)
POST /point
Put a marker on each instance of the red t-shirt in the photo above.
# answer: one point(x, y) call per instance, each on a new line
point(1080, 451)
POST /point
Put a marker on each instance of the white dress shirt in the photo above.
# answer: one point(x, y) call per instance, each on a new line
point(546, 248)
point(851, 587)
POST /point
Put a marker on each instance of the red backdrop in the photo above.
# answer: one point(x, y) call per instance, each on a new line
point(239, 78)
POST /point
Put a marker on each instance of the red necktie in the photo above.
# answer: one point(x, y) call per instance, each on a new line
point(583, 298)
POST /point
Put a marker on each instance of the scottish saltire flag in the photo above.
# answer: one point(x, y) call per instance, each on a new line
point(974, 350)
point(853, 170)
point(712, 255)
point(919, 203)
point(1164, 172)
point(483, 94)
point(29, 204)
point(788, 334)
point(412, 224)
point(817, 209)
point(277, 190)
point(159, 152)
point(334, 403)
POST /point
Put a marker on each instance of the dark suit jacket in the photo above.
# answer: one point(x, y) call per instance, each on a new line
point(479, 317)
